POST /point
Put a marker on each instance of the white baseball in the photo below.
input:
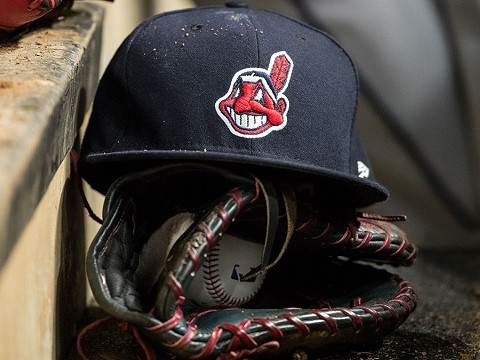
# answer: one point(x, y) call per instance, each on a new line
point(217, 283)
point(153, 256)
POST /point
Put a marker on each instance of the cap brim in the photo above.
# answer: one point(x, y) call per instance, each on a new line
point(101, 170)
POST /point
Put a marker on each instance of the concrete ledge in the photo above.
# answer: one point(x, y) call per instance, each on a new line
point(47, 82)
point(47, 79)
point(42, 284)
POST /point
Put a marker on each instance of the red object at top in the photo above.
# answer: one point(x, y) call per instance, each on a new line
point(15, 13)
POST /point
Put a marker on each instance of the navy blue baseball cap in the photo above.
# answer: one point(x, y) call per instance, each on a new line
point(232, 86)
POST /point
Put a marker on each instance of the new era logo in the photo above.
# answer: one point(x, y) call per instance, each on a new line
point(363, 170)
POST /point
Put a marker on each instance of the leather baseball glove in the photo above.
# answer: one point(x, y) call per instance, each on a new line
point(315, 292)
point(17, 15)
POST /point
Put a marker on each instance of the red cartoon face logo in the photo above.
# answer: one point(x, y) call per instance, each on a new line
point(255, 105)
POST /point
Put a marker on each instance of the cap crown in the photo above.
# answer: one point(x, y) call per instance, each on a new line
point(229, 84)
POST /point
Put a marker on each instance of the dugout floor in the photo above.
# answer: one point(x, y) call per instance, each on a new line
point(445, 325)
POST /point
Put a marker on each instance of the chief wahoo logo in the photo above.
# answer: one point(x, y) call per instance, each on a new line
point(255, 105)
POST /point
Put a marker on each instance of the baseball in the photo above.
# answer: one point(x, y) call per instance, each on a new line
point(153, 256)
point(217, 283)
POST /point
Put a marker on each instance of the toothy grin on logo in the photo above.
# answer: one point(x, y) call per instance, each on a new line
point(246, 121)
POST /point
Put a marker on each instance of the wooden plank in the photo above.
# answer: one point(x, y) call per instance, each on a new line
point(42, 284)
point(47, 82)
point(47, 78)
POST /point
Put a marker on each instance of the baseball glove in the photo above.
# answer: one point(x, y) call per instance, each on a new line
point(315, 294)
point(17, 15)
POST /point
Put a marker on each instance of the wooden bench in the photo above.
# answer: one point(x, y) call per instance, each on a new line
point(47, 83)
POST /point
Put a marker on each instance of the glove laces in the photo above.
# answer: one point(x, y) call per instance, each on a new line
point(272, 209)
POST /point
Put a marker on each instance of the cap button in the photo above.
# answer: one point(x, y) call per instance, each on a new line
point(236, 4)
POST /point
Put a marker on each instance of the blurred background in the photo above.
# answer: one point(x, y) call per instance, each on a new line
point(419, 110)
